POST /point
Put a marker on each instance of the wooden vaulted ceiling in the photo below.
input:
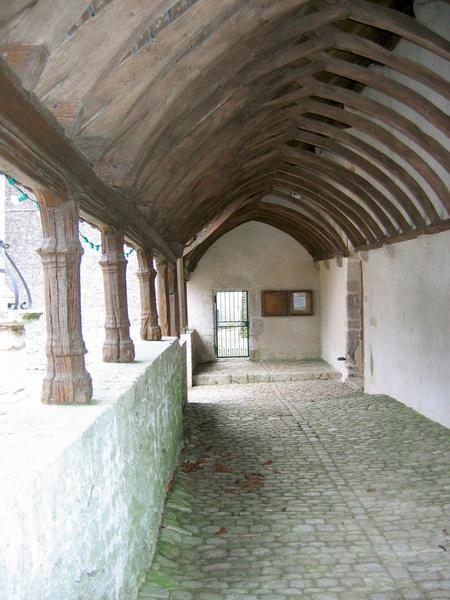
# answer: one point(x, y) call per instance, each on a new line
point(196, 110)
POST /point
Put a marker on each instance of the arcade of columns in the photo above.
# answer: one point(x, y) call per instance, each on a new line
point(67, 380)
point(184, 124)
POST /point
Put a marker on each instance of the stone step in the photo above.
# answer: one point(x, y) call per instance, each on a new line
point(262, 377)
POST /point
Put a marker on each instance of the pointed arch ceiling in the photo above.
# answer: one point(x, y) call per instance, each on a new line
point(196, 109)
point(320, 239)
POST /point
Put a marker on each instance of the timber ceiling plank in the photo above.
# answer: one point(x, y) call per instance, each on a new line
point(191, 111)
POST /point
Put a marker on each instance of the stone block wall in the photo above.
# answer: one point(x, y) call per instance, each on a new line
point(353, 325)
point(20, 227)
point(340, 298)
point(83, 487)
point(23, 233)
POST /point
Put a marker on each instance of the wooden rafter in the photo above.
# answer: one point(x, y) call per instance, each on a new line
point(191, 112)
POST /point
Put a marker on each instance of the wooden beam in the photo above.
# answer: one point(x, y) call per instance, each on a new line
point(27, 60)
point(214, 225)
point(35, 150)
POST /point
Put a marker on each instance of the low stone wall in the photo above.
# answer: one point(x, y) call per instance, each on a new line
point(189, 339)
point(83, 487)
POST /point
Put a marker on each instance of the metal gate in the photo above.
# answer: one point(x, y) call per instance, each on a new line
point(231, 324)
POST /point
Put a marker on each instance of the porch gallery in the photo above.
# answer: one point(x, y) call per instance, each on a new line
point(224, 291)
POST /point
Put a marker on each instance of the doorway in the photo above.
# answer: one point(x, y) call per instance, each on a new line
point(231, 326)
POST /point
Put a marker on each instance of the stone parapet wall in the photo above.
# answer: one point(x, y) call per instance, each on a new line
point(83, 487)
point(190, 339)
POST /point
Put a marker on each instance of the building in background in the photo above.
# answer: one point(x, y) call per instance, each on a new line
point(20, 229)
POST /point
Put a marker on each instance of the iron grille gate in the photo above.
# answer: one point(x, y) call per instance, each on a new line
point(231, 324)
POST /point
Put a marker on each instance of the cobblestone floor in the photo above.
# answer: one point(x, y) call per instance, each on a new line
point(305, 490)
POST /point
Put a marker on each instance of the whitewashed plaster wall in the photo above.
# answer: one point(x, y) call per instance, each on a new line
point(333, 312)
point(83, 487)
point(407, 324)
point(256, 257)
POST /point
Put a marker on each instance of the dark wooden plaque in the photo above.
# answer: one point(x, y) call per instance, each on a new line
point(286, 303)
point(274, 303)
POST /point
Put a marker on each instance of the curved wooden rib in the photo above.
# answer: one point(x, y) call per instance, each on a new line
point(310, 234)
point(200, 110)
point(393, 168)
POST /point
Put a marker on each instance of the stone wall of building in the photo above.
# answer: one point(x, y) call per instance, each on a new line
point(333, 311)
point(23, 234)
point(340, 315)
point(256, 257)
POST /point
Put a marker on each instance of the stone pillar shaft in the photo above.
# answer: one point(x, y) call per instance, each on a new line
point(67, 381)
point(354, 324)
point(118, 346)
point(182, 295)
point(150, 329)
point(163, 296)
point(174, 301)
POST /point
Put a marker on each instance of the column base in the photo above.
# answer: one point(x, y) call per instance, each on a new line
point(151, 333)
point(70, 388)
point(121, 352)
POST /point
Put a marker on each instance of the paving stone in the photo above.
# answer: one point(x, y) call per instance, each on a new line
point(333, 495)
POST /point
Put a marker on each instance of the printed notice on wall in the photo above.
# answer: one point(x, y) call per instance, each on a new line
point(299, 301)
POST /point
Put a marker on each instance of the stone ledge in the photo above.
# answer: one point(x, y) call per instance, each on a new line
point(83, 486)
point(262, 377)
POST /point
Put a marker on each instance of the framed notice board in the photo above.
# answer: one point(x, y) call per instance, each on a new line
point(286, 303)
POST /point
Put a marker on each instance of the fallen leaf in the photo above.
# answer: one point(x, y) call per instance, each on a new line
point(443, 547)
point(189, 467)
point(268, 462)
point(221, 531)
point(254, 476)
point(221, 468)
point(254, 481)
point(171, 485)
point(232, 491)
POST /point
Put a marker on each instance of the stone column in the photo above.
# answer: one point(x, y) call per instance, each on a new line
point(118, 346)
point(163, 296)
point(67, 381)
point(150, 329)
point(182, 295)
point(174, 302)
point(353, 349)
